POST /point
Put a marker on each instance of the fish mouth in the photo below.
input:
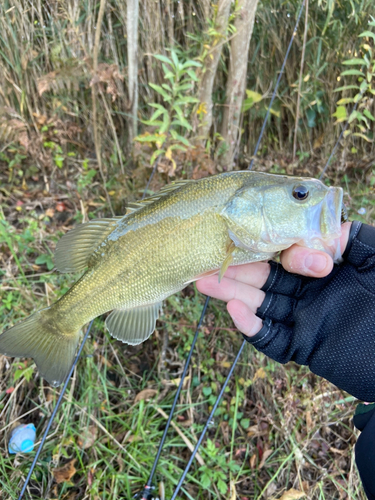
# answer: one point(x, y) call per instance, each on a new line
point(333, 213)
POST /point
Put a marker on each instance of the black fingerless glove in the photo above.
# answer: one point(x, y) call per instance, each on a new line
point(326, 323)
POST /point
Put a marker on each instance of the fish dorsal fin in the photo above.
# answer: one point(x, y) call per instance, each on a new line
point(133, 326)
point(164, 191)
point(74, 249)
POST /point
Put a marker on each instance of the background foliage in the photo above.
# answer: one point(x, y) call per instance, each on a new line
point(67, 155)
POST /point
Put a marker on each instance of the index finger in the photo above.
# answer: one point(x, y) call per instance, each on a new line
point(254, 274)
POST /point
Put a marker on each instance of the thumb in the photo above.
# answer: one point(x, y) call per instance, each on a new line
point(311, 262)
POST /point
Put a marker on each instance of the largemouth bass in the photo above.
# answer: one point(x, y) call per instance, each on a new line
point(188, 230)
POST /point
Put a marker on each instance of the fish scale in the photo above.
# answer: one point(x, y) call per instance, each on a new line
point(188, 230)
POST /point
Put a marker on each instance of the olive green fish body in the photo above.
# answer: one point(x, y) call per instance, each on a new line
point(188, 230)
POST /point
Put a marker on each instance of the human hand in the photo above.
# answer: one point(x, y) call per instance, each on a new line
point(241, 285)
point(326, 323)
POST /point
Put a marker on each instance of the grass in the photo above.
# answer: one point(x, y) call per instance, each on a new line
point(278, 427)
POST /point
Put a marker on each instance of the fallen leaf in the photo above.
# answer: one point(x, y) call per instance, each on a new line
point(265, 455)
point(292, 494)
point(88, 437)
point(50, 212)
point(253, 461)
point(64, 473)
point(145, 394)
point(260, 373)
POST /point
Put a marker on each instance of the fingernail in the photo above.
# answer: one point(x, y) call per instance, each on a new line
point(316, 262)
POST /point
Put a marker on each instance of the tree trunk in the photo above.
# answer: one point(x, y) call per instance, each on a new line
point(132, 39)
point(236, 83)
point(210, 66)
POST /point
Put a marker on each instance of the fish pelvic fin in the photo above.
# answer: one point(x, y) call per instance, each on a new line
point(133, 326)
point(40, 338)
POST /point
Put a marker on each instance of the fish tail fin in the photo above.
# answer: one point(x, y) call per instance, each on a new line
point(39, 337)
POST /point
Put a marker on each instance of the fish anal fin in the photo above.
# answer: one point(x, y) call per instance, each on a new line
point(228, 260)
point(74, 249)
point(133, 326)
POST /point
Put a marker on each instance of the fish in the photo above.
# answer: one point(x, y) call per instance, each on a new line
point(188, 230)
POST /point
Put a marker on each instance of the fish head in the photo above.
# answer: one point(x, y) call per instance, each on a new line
point(301, 209)
point(280, 211)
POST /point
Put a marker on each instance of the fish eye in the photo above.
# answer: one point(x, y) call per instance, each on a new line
point(300, 192)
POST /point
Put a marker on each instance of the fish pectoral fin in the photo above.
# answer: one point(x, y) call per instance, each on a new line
point(228, 260)
point(75, 248)
point(133, 326)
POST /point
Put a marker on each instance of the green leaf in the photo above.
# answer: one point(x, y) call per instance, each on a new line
point(188, 64)
point(42, 259)
point(352, 72)
point(357, 134)
point(151, 138)
point(340, 114)
point(157, 106)
point(192, 75)
point(354, 115)
point(222, 487)
point(367, 113)
point(162, 58)
point(155, 123)
point(160, 91)
point(164, 127)
point(368, 33)
point(354, 61)
point(186, 100)
point(185, 86)
point(311, 117)
point(175, 59)
point(156, 114)
point(274, 112)
point(155, 154)
point(254, 96)
point(177, 146)
point(26, 372)
point(180, 138)
point(183, 123)
point(347, 87)
point(363, 86)
point(345, 100)
point(205, 481)
point(166, 87)
point(245, 423)
point(207, 391)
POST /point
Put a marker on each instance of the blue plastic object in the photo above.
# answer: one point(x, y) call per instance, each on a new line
point(22, 439)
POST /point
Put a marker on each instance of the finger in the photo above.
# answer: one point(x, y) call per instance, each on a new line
point(310, 262)
point(306, 261)
point(229, 289)
point(254, 274)
point(244, 318)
